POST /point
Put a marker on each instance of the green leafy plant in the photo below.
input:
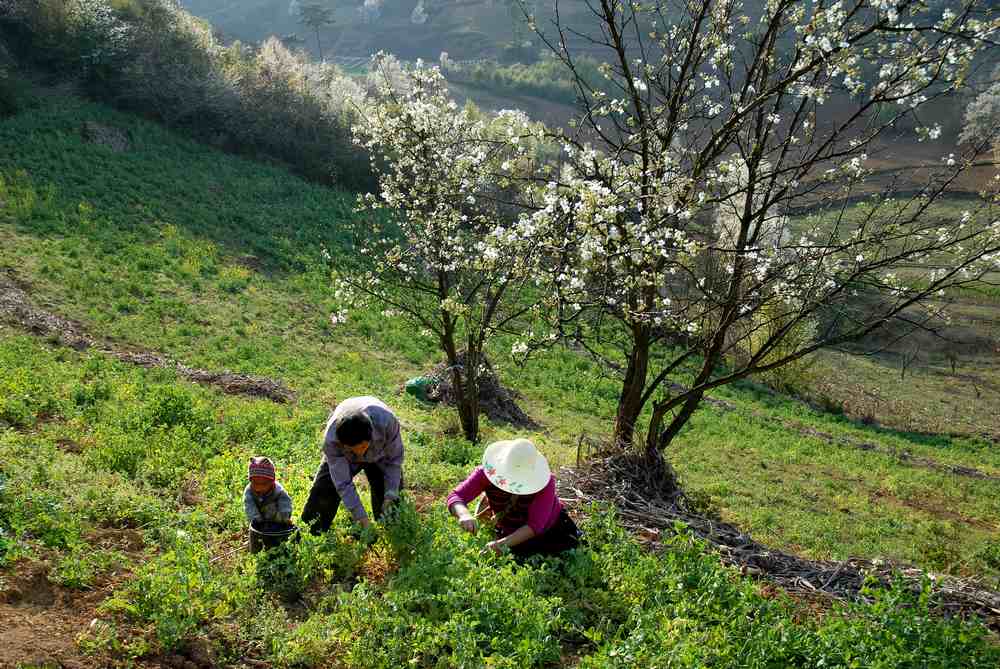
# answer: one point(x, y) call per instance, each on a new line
point(81, 565)
point(405, 533)
point(182, 590)
point(280, 570)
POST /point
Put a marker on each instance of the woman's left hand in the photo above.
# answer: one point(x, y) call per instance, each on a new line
point(498, 547)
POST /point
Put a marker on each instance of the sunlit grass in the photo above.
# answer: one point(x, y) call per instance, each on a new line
point(215, 261)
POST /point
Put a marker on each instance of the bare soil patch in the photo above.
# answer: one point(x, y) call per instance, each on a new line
point(17, 308)
point(69, 446)
point(127, 540)
point(422, 501)
point(41, 621)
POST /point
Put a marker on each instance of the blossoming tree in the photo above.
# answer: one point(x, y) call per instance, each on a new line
point(724, 199)
point(441, 245)
point(982, 115)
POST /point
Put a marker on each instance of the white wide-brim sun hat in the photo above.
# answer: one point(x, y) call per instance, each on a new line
point(516, 466)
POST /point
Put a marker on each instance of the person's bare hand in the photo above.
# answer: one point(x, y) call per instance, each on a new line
point(468, 523)
point(498, 546)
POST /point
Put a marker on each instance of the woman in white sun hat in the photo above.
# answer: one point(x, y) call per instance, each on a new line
point(521, 495)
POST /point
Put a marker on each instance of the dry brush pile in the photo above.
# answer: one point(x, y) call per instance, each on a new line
point(644, 490)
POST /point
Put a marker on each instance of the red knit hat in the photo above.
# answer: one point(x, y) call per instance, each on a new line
point(262, 467)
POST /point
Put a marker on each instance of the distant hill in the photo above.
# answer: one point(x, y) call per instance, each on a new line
point(466, 29)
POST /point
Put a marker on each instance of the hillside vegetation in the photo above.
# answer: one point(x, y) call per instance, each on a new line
point(120, 486)
point(153, 58)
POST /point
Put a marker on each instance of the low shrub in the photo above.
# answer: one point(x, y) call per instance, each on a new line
point(170, 406)
point(27, 397)
point(81, 566)
point(181, 591)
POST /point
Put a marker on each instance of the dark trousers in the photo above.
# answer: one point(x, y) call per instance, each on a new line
point(562, 536)
point(324, 500)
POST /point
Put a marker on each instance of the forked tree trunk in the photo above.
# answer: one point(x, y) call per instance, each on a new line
point(662, 439)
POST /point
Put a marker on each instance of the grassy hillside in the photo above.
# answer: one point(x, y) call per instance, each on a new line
point(120, 486)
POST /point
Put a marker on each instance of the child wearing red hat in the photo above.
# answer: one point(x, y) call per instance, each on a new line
point(264, 499)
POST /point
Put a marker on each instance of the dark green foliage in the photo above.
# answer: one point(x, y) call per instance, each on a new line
point(279, 570)
point(44, 515)
point(990, 554)
point(16, 94)
point(152, 57)
point(288, 569)
point(548, 78)
point(450, 606)
point(404, 531)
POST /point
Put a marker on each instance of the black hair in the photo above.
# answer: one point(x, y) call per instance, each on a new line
point(354, 428)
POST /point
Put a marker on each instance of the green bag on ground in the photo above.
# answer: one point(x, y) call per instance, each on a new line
point(420, 386)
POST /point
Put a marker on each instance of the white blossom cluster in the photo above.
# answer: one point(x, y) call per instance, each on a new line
point(982, 115)
point(614, 248)
point(436, 242)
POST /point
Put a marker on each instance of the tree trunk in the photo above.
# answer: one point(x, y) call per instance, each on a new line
point(655, 421)
point(467, 400)
point(630, 401)
point(466, 385)
point(473, 358)
point(680, 420)
point(319, 47)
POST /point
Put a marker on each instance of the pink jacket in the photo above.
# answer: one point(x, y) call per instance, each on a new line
point(540, 511)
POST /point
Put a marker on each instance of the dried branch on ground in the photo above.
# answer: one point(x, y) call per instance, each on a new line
point(649, 503)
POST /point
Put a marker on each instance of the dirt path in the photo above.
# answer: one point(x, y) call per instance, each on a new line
point(16, 307)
